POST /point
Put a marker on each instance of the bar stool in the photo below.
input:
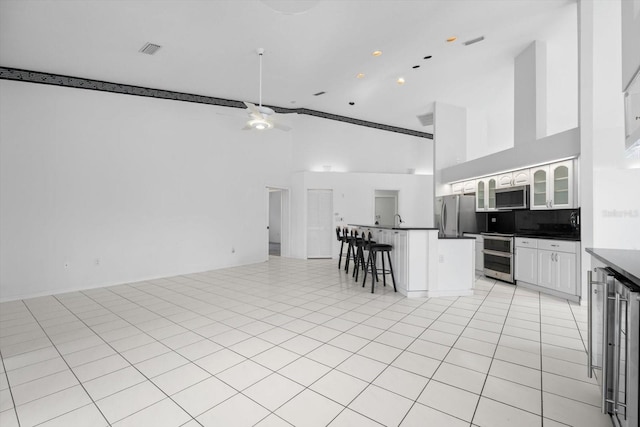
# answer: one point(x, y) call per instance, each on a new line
point(374, 248)
point(351, 248)
point(362, 244)
point(342, 239)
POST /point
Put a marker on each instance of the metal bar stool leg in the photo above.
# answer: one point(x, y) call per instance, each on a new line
point(393, 279)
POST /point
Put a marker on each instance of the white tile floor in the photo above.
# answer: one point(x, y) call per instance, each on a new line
point(293, 342)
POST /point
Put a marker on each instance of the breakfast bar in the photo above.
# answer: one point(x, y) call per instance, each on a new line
point(425, 265)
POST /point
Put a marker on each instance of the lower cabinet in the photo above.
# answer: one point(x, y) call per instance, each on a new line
point(551, 265)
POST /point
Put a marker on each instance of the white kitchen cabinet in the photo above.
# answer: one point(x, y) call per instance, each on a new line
point(486, 194)
point(548, 265)
point(464, 187)
point(526, 260)
point(512, 179)
point(552, 186)
point(521, 177)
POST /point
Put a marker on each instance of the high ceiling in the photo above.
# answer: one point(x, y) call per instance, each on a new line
point(209, 48)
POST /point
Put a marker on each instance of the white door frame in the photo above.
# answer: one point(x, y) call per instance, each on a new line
point(285, 224)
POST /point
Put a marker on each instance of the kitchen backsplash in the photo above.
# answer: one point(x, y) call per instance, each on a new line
point(560, 222)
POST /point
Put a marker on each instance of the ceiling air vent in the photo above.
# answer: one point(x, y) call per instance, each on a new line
point(472, 41)
point(426, 119)
point(149, 48)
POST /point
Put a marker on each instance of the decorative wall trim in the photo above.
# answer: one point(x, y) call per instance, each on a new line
point(80, 83)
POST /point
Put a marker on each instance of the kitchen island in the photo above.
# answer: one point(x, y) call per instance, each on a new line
point(425, 265)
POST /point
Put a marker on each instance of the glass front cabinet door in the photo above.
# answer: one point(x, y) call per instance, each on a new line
point(552, 186)
point(480, 190)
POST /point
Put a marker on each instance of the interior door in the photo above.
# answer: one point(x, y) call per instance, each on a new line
point(386, 209)
point(320, 232)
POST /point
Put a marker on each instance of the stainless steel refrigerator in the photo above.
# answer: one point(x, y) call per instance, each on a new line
point(455, 214)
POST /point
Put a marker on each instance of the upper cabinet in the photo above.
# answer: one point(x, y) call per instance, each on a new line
point(486, 194)
point(464, 187)
point(511, 179)
point(552, 186)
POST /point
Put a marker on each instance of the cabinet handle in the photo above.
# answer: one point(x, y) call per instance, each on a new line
point(555, 246)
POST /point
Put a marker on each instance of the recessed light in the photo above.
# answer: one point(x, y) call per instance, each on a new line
point(400, 80)
point(376, 53)
point(427, 57)
point(415, 66)
point(359, 75)
point(452, 39)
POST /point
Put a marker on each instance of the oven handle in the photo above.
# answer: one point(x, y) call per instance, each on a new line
point(501, 238)
point(497, 253)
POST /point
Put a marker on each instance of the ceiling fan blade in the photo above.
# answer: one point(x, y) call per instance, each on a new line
point(253, 110)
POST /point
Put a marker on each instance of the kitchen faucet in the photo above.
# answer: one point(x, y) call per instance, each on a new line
point(400, 221)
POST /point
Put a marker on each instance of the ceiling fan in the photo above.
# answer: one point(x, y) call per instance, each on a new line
point(261, 117)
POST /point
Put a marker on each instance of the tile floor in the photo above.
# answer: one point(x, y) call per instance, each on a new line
point(293, 342)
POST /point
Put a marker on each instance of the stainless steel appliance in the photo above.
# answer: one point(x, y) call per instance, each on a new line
point(455, 214)
point(613, 344)
point(498, 256)
point(512, 197)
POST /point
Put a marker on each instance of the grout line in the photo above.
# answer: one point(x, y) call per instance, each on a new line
point(69, 367)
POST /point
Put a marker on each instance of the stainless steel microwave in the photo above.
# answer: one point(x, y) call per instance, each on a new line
point(513, 197)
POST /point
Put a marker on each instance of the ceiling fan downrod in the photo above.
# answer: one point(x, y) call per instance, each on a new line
point(260, 53)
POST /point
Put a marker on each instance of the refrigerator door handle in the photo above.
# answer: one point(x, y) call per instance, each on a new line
point(444, 218)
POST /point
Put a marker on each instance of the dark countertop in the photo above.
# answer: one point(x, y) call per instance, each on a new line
point(624, 261)
point(458, 238)
point(392, 227)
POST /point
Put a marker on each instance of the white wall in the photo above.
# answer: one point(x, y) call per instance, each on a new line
point(609, 181)
point(123, 188)
point(347, 148)
point(450, 134)
point(99, 188)
point(354, 199)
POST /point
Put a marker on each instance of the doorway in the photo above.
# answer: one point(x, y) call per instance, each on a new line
point(320, 223)
point(277, 222)
point(386, 207)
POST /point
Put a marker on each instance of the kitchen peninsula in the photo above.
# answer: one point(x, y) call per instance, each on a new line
point(425, 265)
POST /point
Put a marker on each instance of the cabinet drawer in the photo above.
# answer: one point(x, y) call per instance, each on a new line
point(558, 245)
point(526, 242)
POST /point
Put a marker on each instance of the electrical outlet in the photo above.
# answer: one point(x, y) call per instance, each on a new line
point(233, 250)
point(97, 261)
point(66, 265)
point(441, 258)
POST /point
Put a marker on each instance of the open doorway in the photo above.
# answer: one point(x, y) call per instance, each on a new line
point(277, 222)
point(386, 207)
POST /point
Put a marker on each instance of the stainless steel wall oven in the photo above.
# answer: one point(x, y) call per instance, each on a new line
point(498, 256)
